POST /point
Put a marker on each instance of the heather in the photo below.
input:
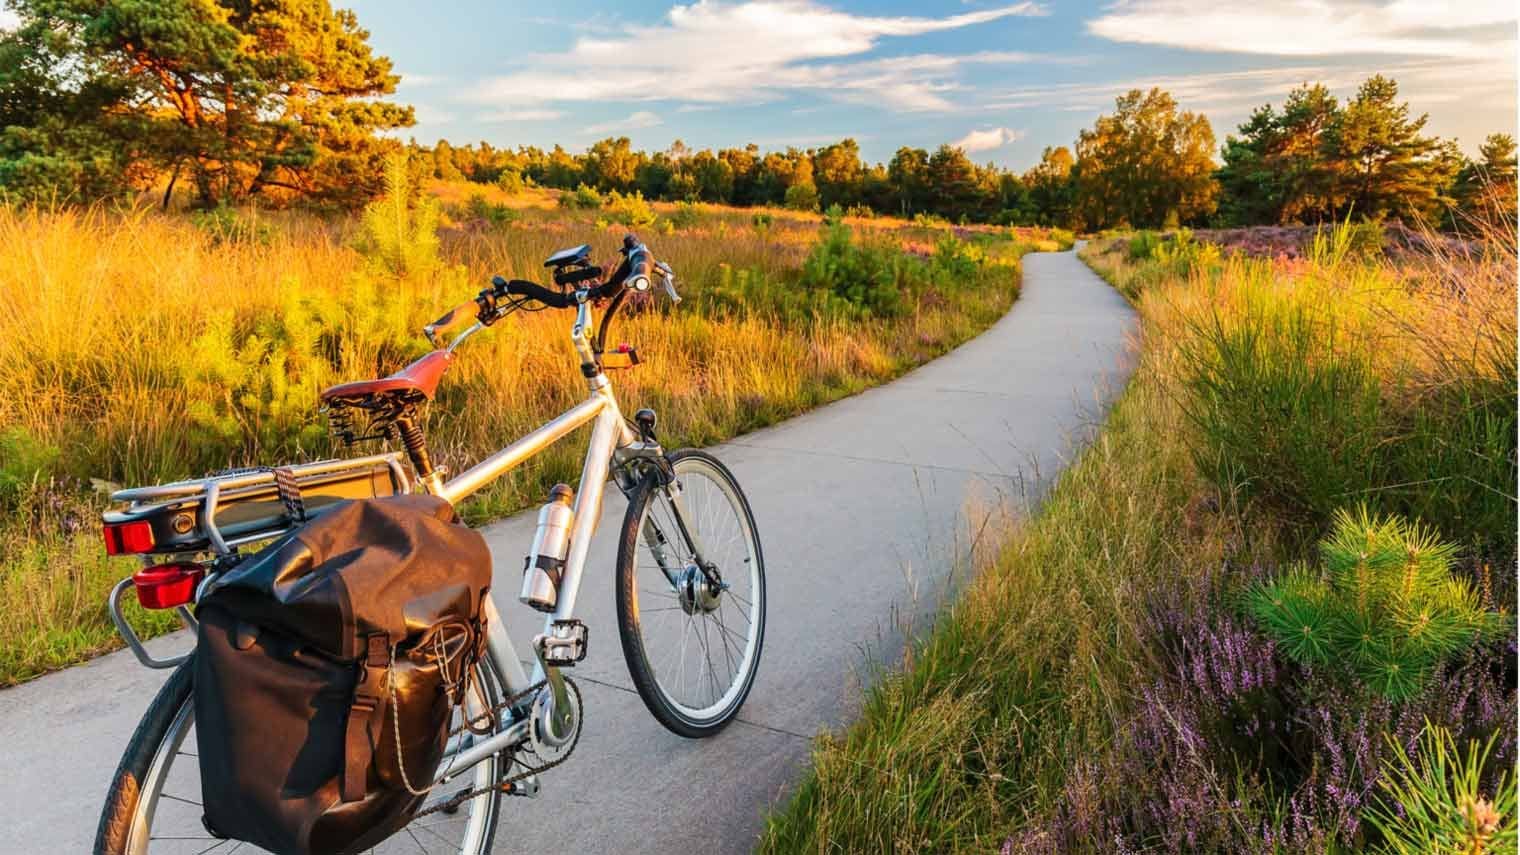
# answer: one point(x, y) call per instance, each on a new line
point(1280, 574)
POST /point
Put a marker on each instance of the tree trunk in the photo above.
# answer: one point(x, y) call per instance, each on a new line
point(169, 191)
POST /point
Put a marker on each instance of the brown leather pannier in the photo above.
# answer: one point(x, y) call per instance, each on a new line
point(312, 652)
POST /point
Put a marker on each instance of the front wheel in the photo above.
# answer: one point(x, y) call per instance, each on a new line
point(691, 594)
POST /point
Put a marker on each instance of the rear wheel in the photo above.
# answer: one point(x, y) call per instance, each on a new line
point(691, 625)
point(154, 804)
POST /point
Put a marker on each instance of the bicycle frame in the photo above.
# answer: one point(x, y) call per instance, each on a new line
point(612, 441)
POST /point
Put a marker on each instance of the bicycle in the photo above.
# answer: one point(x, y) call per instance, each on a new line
point(688, 547)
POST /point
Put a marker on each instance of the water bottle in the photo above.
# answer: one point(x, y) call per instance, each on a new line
point(551, 543)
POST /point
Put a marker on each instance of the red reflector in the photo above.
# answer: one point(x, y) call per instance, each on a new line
point(129, 538)
point(164, 586)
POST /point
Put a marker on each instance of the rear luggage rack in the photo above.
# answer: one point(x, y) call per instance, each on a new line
point(222, 511)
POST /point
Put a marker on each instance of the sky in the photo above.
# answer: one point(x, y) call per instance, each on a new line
point(1002, 80)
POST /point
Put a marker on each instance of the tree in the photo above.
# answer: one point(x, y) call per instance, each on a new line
point(1146, 165)
point(244, 97)
point(1051, 190)
point(611, 164)
point(744, 164)
point(952, 185)
point(1488, 186)
point(711, 178)
point(444, 166)
point(1276, 171)
point(838, 172)
point(780, 171)
point(909, 172)
point(1381, 163)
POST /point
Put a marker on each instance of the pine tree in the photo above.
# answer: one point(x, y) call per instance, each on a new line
point(239, 97)
point(1385, 604)
point(1380, 162)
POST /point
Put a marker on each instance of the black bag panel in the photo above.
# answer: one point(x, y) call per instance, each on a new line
point(269, 729)
point(366, 566)
point(295, 641)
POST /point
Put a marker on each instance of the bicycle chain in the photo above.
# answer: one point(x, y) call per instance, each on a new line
point(459, 798)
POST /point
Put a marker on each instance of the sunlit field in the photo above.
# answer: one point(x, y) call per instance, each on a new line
point(140, 347)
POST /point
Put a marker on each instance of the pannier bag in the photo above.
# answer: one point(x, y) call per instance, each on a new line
point(312, 652)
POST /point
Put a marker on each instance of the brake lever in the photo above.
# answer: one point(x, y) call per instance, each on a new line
point(668, 279)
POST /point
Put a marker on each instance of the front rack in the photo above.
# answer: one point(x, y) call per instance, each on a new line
point(220, 512)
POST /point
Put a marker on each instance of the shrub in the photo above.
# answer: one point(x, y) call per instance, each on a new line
point(686, 215)
point(802, 197)
point(400, 229)
point(495, 213)
point(1386, 606)
point(957, 260)
point(1143, 245)
point(511, 181)
point(629, 209)
point(1434, 803)
point(582, 198)
point(24, 460)
point(762, 221)
point(866, 275)
point(225, 224)
point(862, 211)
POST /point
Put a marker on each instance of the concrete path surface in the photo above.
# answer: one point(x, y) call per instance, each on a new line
point(862, 507)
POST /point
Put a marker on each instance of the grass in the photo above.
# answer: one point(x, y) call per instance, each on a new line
point(139, 347)
point(1265, 395)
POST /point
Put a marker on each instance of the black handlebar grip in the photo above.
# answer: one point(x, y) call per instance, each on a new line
point(533, 291)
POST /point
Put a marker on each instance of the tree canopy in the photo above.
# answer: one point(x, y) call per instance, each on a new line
point(1317, 160)
point(238, 96)
point(1147, 164)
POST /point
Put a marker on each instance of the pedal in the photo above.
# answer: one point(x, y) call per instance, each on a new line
point(564, 645)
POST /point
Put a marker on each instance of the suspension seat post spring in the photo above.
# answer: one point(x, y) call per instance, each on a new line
point(416, 446)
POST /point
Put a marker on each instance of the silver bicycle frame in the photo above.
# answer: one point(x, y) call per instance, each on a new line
point(611, 441)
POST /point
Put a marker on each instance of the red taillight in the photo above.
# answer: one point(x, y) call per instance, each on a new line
point(164, 586)
point(131, 538)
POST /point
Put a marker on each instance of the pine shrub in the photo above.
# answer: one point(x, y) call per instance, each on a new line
point(1384, 605)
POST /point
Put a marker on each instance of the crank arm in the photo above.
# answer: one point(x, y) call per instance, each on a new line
point(561, 718)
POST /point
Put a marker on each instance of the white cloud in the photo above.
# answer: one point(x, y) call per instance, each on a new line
point(523, 115)
point(720, 52)
point(640, 119)
point(8, 19)
point(1314, 27)
point(409, 79)
point(987, 140)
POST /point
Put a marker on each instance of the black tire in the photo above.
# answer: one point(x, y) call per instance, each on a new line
point(111, 837)
point(630, 627)
point(114, 833)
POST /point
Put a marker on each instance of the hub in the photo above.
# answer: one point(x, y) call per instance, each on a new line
point(696, 593)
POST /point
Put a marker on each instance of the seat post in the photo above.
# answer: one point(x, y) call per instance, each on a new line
point(417, 451)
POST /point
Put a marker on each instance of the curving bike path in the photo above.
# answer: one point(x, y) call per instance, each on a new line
point(863, 507)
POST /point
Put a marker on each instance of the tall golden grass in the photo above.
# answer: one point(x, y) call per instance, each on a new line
point(137, 347)
point(1037, 669)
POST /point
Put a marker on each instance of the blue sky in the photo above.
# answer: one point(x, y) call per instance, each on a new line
point(1002, 79)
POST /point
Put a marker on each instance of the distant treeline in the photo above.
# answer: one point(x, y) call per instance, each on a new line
point(285, 102)
point(1145, 165)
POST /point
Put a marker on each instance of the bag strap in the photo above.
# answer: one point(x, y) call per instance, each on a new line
point(363, 715)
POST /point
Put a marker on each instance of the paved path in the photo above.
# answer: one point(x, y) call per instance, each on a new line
point(862, 506)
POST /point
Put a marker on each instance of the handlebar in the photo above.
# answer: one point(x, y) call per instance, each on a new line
point(634, 272)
